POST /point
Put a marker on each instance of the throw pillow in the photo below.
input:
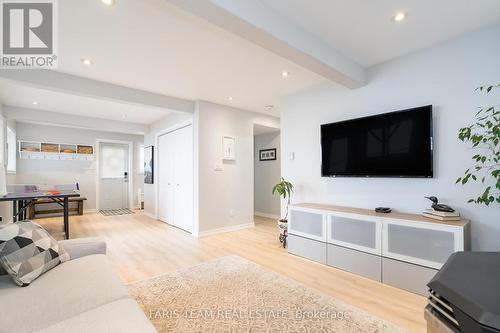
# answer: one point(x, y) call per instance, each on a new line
point(27, 251)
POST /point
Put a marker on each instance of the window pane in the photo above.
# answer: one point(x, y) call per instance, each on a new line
point(11, 150)
point(113, 162)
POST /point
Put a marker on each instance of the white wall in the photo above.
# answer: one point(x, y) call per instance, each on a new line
point(83, 172)
point(266, 175)
point(445, 76)
point(225, 197)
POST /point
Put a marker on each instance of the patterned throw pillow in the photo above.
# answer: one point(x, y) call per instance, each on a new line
point(27, 251)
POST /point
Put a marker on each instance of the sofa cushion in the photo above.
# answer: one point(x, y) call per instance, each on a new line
point(71, 288)
point(28, 251)
point(120, 316)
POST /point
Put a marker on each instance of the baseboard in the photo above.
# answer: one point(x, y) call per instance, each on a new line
point(269, 216)
point(224, 229)
point(149, 215)
point(90, 211)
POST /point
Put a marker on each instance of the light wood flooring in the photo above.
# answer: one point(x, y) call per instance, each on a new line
point(140, 247)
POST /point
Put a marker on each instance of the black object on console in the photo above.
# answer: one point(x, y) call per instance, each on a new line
point(466, 292)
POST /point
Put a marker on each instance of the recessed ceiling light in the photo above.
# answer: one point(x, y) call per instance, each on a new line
point(108, 2)
point(399, 16)
point(229, 98)
point(35, 103)
point(87, 62)
point(269, 107)
point(285, 74)
point(124, 116)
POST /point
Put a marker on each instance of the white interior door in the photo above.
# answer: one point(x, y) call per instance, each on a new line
point(175, 167)
point(113, 176)
point(183, 166)
point(166, 178)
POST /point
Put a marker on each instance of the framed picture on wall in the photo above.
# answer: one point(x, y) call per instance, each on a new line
point(229, 148)
point(267, 154)
point(148, 165)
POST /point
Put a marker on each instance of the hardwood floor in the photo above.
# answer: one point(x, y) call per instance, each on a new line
point(140, 247)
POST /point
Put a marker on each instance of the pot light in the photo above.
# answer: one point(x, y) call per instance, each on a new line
point(399, 16)
point(285, 74)
point(230, 98)
point(269, 107)
point(108, 2)
point(87, 62)
point(35, 103)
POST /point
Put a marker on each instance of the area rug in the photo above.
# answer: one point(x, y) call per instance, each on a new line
point(233, 294)
point(114, 212)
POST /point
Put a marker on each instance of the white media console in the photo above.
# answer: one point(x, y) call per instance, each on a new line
point(402, 250)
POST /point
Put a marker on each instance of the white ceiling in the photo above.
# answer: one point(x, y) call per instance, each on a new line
point(363, 30)
point(23, 96)
point(153, 46)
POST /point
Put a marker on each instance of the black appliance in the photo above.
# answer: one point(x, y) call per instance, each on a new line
point(465, 293)
point(395, 144)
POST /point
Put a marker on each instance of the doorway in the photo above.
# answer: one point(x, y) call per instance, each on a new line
point(267, 171)
point(114, 176)
point(175, 177)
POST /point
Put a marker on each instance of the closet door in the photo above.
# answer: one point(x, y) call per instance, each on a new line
point(165, 154)
point(183, 176)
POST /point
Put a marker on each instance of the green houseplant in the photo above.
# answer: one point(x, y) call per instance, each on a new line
point(484, 136)
point(284, 189)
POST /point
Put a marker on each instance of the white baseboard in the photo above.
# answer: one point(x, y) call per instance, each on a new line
point(224, 229)
point(149, 215)
point(269, 216)
point(90, 211)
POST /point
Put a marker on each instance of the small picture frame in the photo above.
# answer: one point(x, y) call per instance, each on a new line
point(228, 148)
point(267, 154)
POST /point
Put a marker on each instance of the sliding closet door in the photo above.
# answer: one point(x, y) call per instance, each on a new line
point(183, 166)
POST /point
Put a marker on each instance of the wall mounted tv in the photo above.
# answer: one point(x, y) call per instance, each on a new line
point(395, 144)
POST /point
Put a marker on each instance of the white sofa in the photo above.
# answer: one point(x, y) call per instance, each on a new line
point(80, 295)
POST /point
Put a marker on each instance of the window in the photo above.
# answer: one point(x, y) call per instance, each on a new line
point(113, 159)
point(140, 160)
point(11, 150)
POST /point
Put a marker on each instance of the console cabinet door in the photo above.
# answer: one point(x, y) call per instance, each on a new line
point(362, 233)
point(423, 244)
point(308, 223)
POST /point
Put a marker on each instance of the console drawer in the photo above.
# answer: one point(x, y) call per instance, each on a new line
point(307, 248)
point(407, 276)
point(357, 262)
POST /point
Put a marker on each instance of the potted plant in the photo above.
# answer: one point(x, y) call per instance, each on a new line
point(484, 136)
point(284, 189)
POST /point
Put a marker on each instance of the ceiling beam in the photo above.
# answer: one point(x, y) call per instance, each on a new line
point(80, 86)
point(49, 118)
point(260, 24)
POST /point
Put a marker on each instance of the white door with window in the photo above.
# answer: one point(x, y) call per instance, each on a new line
point(175, 178)
point(113, 176)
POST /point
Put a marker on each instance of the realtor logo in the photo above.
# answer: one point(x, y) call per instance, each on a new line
point(28, 34)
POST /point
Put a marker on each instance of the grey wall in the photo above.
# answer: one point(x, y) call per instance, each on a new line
point(445, 76)
point(225, 196)
point(83, 172)
point(266, 175)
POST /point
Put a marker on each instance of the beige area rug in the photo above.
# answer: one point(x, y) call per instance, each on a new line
point(233, 294)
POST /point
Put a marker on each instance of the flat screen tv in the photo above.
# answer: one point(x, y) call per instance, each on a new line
point(395, 144)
